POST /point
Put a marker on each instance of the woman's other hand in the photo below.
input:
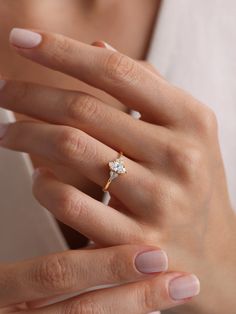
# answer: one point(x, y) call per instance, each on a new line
point(138, 272)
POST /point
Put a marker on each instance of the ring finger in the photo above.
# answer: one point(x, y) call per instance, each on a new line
point(83, 153)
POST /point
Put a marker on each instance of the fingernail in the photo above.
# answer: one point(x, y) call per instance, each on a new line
point(38, 172)
point(2, 84)
point(24, 38)
point(109, 46)
point(103, 44)
point(3, 130)
point(152, 262)
point(184, 287)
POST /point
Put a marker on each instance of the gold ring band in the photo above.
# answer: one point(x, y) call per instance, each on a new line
point(117, 167)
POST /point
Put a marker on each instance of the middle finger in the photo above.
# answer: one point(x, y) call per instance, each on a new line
point(86, 112)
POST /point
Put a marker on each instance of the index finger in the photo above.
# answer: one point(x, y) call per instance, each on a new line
point(75, 271)
point(115, 73)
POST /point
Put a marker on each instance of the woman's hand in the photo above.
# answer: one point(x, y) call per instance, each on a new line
point(174, 194)
point(30, 286)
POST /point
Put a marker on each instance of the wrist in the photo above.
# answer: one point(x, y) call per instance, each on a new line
point(218, 276)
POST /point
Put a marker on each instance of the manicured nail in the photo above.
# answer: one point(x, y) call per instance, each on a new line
point(184, 287)
point(152, 262)
point(3, 129)
point(36, 174)
point(24, 38)
point(109, 46)
point(2, 84)
point(103, 44)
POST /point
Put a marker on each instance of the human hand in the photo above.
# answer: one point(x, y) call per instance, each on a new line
point(172, 157)
point(36, 286)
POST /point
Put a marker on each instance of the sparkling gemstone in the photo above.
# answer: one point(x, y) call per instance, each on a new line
point(117, 166)
point(113, 175)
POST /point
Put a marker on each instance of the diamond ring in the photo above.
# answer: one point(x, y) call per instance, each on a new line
point(117, 167)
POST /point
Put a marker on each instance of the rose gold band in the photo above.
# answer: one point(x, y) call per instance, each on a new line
point(117, 167)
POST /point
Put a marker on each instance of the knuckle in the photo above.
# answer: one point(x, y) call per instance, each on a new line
point(69, 143)
point(72, 206)
point(147, 296)
point(85, 109)
point(82, 108)
point(187, 159)
point(191, 157)
point(206, 121)
point(20, 92)
point(82, 306)
point(72, 108)
point(117, 267)
point(62, 48)
point(89, 106)
point(66, 201)
point(121, 69)
point(53, 273)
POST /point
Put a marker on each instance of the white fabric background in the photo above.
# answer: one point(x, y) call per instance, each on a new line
point(26, 229)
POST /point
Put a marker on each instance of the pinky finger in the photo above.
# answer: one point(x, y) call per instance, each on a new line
point(160, 293)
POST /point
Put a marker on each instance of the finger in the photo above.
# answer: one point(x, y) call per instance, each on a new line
point(146, 64)
point(79, 151)
point(74, 271)
point(160, 293)
point(83, 111)
point(125, 79)
point(98, 222)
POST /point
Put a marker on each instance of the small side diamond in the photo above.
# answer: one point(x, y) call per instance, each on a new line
point(113, 175)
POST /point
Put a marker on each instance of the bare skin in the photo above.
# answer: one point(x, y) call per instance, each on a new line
point(179, 169)
point(88, 21)
point(175, 193)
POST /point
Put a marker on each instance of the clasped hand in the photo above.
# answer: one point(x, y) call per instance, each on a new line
point(174, 195)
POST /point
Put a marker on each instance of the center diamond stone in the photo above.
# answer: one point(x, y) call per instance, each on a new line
point(117, 166)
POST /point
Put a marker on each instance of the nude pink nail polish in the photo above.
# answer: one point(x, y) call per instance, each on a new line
point(184, 287)
point(24, 38)
point(103, 44)
point(109, 47)
point(36, 174)
point(152, 262)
